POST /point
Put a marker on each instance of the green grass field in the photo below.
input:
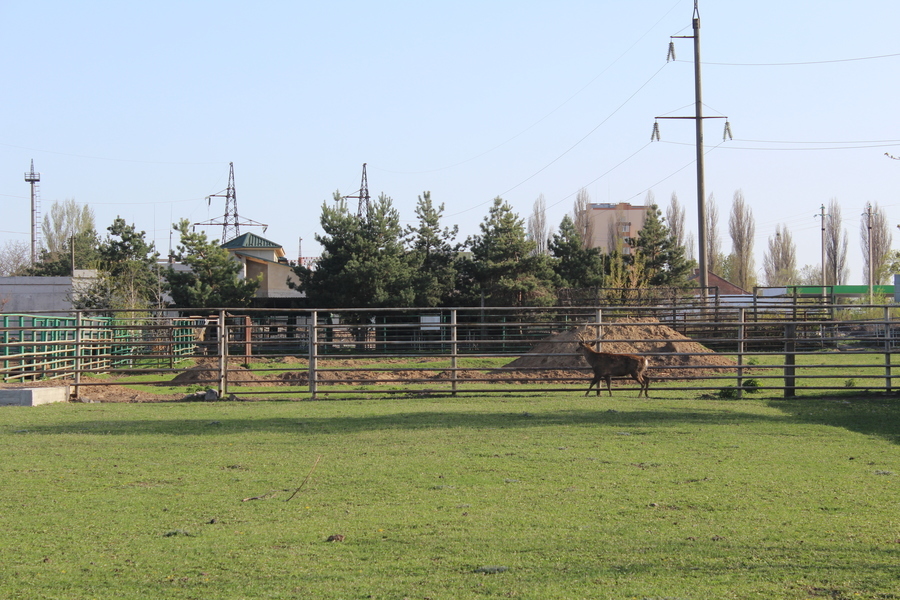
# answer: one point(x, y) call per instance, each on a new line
point(513, 496)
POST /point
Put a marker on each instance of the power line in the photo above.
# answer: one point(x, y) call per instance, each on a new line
point(794, 64)
point(546, 116)
point(128, 160)
point(572, 147)
point(730, 147)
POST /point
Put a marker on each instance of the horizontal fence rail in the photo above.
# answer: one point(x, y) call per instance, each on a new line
point(268, 353)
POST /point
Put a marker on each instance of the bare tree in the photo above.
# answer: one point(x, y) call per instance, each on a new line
point(836, 241)
point(810, 275)
point(65, 220)
point(689, 247)
point(713, 241)
point(15, 258)
point(780, 260)
point(742, 229)
point(537, 225)
point(875, 240)
point(675, 220)
point(582, 217)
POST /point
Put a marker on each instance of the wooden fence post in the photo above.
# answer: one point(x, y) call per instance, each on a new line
point(248, 333)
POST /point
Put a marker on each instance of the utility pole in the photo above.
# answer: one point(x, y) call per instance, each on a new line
point(822, 216)
point(868, 215)
point(698, 119)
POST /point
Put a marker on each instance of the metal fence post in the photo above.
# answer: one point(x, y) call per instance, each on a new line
point(887, 348)
point(740, 354)
point(790, 346)
point(223, 355)
point(453, 351)
point(77, 360)
point(313, 353)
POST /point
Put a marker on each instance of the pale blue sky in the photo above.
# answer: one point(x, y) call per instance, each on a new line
point(137, 109)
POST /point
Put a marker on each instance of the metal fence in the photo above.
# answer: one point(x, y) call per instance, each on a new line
point(727, 350)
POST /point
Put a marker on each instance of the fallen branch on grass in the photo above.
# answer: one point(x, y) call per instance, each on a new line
point(308, 475)
point(263, 497)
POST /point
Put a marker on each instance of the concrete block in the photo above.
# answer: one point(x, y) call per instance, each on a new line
point(33, 396)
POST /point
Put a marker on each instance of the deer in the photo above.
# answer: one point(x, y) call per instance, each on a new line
point(607, 365)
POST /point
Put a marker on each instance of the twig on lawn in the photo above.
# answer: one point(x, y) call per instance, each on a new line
point(308, 475)
point(263, 497)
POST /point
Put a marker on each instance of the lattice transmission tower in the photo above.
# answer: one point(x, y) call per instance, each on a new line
point(230, 221)
point(33, 178)
point(362, 212)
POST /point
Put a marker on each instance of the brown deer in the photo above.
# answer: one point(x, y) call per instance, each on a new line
point(607, 365)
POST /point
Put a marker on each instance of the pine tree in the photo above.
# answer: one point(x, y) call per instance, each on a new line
point(575, 265)
point(504, 270)
point(432, 255)
point(363, 262)
point(212, 281)
point(128, 277)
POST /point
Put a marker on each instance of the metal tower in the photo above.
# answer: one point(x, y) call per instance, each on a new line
point(33, 178)
point(363, 211)
point(231, 223)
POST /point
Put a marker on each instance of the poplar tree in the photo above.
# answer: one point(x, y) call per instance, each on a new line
point(664, 261)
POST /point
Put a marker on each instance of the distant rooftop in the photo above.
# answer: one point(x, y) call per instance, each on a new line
point(249, 240)
point(608, 205)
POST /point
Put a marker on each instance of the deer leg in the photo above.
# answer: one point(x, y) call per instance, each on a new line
point(593, 381)
point(608, 385)
point(643, 382)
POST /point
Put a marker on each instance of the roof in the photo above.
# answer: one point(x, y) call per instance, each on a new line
point(249, 240)
point(725, 287)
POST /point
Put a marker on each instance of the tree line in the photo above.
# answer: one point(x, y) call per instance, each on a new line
point(373, 261)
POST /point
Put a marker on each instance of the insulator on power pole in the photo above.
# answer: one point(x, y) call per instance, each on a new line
point(671, 55)
point(655, 135)
point(727, 133)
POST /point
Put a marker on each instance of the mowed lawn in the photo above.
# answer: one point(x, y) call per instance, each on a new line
point(550, 496)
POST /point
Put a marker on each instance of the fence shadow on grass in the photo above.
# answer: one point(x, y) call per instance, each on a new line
point(877, 415)
point(436, 420)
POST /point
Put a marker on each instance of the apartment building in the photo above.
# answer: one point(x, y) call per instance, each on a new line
point(611, 224)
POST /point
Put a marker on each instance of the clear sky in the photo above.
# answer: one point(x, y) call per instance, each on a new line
point(137, 108)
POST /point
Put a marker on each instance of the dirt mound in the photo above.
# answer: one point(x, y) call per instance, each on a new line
point(671, 354)
point(207, 372)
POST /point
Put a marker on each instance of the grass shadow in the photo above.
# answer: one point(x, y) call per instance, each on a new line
point(405, 420)
point(870, 414)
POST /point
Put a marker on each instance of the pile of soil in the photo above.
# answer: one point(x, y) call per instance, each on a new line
point(671, 354)
point(206, 372)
